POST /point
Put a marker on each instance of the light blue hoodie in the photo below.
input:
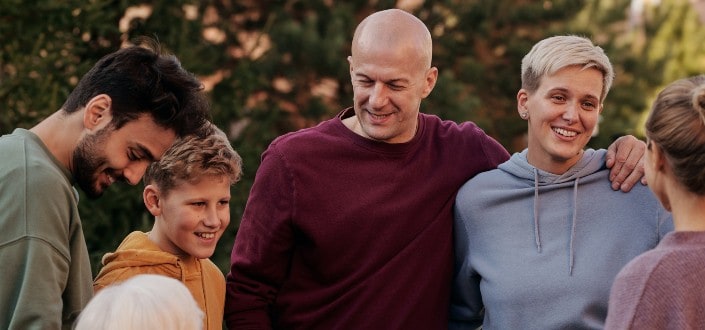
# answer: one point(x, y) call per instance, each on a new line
point(535, 250)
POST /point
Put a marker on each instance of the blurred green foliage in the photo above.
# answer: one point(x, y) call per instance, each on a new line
point(272, 67)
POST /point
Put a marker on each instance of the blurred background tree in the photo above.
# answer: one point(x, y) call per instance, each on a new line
point(272, 67)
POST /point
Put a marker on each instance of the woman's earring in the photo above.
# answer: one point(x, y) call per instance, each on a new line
point(524, 115)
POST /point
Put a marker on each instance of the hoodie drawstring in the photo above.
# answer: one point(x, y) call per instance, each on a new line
point(536, 210)
point(573, 220)
point(572, 229)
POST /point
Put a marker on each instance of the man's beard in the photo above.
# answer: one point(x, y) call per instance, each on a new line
point(86, 162)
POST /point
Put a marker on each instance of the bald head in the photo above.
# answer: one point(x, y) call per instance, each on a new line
point(395, 29)
point(391, 73)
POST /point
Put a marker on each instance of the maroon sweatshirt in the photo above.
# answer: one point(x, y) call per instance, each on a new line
point(343, 232)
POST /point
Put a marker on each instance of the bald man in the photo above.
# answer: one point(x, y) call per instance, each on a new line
point(348, 224)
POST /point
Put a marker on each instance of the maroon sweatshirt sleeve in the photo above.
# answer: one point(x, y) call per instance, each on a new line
point(262, 249)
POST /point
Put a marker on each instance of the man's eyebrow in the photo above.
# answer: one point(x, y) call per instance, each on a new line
point(390, 81)
point(359, 74)
point(147, 154)
point(398, 80)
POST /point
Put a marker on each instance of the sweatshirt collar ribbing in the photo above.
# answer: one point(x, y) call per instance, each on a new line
point(378, 146)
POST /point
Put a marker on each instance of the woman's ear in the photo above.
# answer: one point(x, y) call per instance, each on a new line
point(656, 157)
point(522, 109)
point(152, 199)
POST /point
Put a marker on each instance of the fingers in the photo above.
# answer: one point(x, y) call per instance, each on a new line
point(635, 176)
point(611, 154)
point(628, 162)
point(617, 155)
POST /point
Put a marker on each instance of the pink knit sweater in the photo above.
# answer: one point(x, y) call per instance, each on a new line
point(663, 288)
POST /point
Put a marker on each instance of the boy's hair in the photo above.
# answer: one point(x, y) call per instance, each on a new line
point(145, 301)
point(555, 53)
point(143, 80)
point(677, 125)
point(193, 157)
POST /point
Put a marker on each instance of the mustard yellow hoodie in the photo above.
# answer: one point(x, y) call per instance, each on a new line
point(138, 255)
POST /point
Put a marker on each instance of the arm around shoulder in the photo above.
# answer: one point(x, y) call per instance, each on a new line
point(494, 152)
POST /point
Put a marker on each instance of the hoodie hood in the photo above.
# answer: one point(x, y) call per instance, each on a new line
point(137, 250)
point(137, 254)
point(591, 162)
point(518, 166)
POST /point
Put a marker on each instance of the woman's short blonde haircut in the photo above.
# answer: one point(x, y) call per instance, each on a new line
point(145, 301)
point(676, 124)
point(552, 54)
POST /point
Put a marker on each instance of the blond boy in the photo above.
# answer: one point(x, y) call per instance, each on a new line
point(188, 193)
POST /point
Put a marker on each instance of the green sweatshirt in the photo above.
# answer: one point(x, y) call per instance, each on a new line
point(46, 277)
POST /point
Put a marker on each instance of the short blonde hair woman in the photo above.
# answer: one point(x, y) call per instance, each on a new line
point(539, 240)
